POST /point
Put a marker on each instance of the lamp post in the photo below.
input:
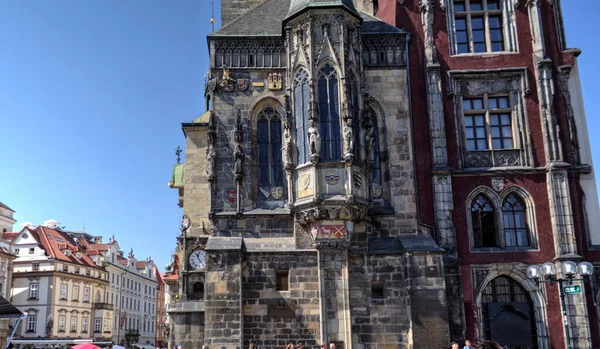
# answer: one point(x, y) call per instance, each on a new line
point(547, 273)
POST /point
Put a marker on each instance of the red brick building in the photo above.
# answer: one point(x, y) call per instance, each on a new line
point(496, 100)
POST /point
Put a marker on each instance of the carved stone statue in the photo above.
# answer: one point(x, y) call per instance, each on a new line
point(370, 142)
point(49, 325)
point(288, 150)
point(210, 155)
point(226, 73)
point(348, 138)
point(239, 160)
point(314, 140)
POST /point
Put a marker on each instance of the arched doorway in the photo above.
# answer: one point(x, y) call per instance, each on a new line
point(508, 314)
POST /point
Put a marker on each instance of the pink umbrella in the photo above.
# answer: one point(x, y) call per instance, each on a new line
point(85, 346)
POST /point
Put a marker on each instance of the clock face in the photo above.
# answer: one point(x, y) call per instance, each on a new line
point(198, 259)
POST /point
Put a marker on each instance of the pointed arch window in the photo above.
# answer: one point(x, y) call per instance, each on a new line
point(270, 165)
point(301, 103)
point(516, 233)
point(484, 222)
point(376, 170)
point(329, 114)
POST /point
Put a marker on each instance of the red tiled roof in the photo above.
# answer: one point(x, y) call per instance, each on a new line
point(48, 239)
point(140, 265)
point(99, 247)
point(123, 261)
point(93, 252)
point(9, 236)
point(172, 277)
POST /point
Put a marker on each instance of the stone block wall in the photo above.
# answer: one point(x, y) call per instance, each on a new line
point(390, 89)
point(378, 322)
point(195, 181)
point(223, 300)
point(188, 329)
point(272, 318)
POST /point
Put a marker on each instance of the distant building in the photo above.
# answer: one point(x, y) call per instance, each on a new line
point(6, 218)
point(160, 311)
point(60, 287)
point(133, 291)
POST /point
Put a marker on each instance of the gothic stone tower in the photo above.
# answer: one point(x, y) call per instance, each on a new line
point(299, 191)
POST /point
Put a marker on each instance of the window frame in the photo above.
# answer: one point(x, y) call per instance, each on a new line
point(497, 200)
point(270, 117)
point(62, 323)
point(488, 113)
point(97, 325)
point(34, 290)
point(75, 293)
point(508, 31)
point(86, 294)
point(282, 280)
point(73, 325)
point(301, 114)
point(31, 323)
point(84, 324)
point(64, 291)
point(332, 148)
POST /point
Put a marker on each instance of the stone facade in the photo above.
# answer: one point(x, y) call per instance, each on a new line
point(335, 193)
point(318, 242)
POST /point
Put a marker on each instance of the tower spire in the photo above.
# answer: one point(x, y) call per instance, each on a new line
point(212, 18)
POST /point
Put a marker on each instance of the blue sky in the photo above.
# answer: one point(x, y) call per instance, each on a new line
point(92, 94)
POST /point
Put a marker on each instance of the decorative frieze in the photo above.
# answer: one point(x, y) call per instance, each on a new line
point(550, 128)
point(249, 54)
point(384, 51)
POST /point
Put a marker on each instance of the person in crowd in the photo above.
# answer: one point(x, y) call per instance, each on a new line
point(467, 345)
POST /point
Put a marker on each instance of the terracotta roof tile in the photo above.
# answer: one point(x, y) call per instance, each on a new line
point(172, 277)
point(9, 236)
point(55, 241)
point(99, 247)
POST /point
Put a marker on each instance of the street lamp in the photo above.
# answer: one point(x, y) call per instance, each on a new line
point(547, 273)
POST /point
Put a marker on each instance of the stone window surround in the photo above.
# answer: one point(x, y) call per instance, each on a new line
point(498, 199)
point(31, 320)
point(509, 29)
point(474, 83)
point(385, 199)
point(481, 275)
point(255, 110)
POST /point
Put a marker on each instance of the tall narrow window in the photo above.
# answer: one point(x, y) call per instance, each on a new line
point(86, 294)
point(488, 123)
point(62, 323)
point(64, 290)
point(329, 114)
point(73, 323)
point(301, 104)
point(282, 280)
point(98, 324)
point(31, 322)
point(270, 165)
point(478, 26)
point(33, 291)
point(484, 222)
point(376, 171)
point(84, 324)
point(515, 223)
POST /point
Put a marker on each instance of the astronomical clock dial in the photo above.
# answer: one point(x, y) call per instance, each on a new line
point(198, 259)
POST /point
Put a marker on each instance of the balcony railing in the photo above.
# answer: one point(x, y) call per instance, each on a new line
point(103, 306)
point(132, 332)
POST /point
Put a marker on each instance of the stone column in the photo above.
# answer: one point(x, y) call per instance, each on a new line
point(334, 293)
point(426, 291)
point(223, 296)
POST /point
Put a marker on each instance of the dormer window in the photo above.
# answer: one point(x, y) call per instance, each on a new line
point(67, 252)
point(78, 254)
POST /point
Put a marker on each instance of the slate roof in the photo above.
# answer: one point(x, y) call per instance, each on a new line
point(298, 6)
point(6, 207)
point(262, 20)
point(266, 19)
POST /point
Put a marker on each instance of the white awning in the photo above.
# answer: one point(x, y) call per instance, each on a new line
point(51, 341)
point(144, 346)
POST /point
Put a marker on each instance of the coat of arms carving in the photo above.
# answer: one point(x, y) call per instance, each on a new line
point(243, 84)
point(275, 81)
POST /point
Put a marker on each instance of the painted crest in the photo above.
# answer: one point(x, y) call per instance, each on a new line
point(275, 81)
point(314, 230)
point(332, 177)
point(243, 84)
point(498, 184)
point(357, 180)
point(306, 183)
point(277, 192)
point(338, 231)
point(231, 195)
point(377, 191)
point(212, 84)
point(226, 85)
point(326, 230)
point(258, 85)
